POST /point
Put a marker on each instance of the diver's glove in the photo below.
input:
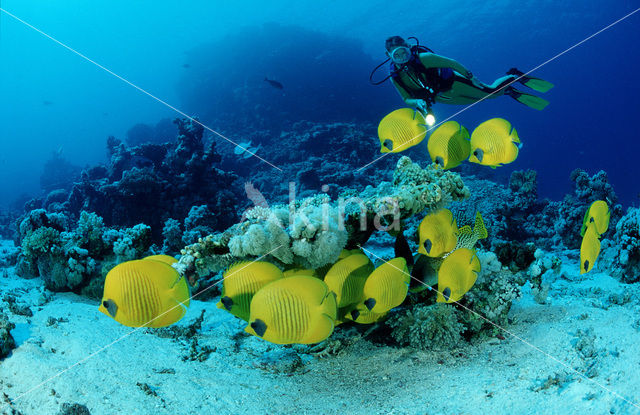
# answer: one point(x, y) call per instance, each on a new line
point(419, 104)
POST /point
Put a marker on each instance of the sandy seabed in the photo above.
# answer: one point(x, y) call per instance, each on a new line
point(69, 352)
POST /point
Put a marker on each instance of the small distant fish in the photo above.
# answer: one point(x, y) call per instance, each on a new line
point(47, 103)
point(273, 83)
point(245, 150)
point(186, 66)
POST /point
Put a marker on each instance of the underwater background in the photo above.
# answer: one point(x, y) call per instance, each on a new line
point(98, 168)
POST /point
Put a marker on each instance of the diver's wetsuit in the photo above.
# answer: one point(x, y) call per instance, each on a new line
point(429, 72)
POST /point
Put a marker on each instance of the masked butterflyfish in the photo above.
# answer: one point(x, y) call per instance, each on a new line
point(346, 278)
point(299, 271)
point(400, 130)
point(145, 292)
point(162, 258)
point(387, 286)
point(298, 309)
point(457, 274)
point(449, 145)
point(589, 249)
point(494, 143)
point(598, 214)
point(242, 281)
point(438, 233)
point(360, 314)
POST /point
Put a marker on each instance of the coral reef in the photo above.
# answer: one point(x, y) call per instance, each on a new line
point(312, 232)
point(313, 156)
point(434, 326)
point(427, 327)
point(620, 250)
point(76, 256)
point(58, 173)
point(7, 343)
point(151, 183)
point(163, 132)
point(569, 213)
point(540, 274)
point(493, 294)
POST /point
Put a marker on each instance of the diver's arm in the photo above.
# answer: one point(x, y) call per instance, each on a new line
point(431, 60)
point(404, 94)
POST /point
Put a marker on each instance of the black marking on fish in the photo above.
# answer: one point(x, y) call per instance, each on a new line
point(388, 144)
point(401, 249)
point(586, 265)
point(440, 161)
point(591, 219)
point(259, 327)
point(111, 307)
point(446, 293)
point(355, 314)
point(478, 153)
point(227, 302)
point(370, 303)
point(428, 245)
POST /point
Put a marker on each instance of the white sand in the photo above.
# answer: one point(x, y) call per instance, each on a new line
point(491, 377)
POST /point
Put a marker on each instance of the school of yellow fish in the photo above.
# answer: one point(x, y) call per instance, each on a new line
point(595, 223)
point(493, 143)
point(304, 305)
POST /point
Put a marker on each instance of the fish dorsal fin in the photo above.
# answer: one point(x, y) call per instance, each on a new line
point(478, 228)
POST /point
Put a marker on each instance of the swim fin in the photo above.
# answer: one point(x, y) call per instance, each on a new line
point(529, 100)
point(537, 84)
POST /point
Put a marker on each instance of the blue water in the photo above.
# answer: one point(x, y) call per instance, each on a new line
point(53, 101)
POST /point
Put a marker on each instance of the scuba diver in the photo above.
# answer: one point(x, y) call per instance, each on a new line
point(423, 78)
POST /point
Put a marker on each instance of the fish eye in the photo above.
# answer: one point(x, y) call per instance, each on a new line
point(388, 144)
point(446, 293)
point(105, 304)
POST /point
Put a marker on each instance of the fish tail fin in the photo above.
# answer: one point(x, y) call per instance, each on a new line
point(478, 228)
point(514, 136)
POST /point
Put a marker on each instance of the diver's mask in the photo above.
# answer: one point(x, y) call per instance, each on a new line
point(400, 55)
